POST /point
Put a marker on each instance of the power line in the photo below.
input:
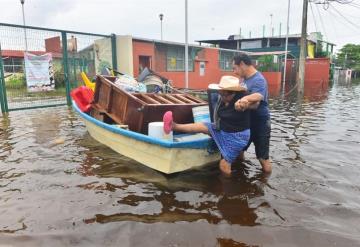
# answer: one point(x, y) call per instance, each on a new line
point(357, 26)
point(355, 5)
point(333, 24)
point(335, 16)
point(312, 12)
point(322, 23)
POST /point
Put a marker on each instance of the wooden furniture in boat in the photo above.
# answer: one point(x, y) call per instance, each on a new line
point(137, 110)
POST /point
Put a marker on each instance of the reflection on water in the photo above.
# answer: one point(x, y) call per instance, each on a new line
point(59, 185)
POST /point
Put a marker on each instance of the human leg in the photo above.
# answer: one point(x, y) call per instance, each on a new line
point(169, 125)
point(225, 167)
point(266, 165)
point(262, 144)
point(191, 128)
point(230, 145)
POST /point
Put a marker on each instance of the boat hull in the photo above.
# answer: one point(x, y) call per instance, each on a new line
point(163, 159)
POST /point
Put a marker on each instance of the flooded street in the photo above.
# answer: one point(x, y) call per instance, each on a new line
point(60, 187)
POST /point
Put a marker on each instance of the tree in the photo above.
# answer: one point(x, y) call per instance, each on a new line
point(349, 57)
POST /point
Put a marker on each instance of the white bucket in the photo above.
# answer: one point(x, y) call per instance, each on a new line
point(156, 130)
point(201, 114)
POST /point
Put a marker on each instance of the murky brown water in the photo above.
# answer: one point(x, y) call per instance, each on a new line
point(59, 187)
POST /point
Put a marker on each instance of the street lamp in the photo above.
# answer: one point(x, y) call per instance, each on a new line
point(186, 47)
point(271, 27)
point(161, 16)
point(23, 14)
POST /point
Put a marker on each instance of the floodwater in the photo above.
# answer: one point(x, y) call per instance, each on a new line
point(59, 187)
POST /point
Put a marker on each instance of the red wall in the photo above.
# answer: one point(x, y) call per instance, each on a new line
point(53, 45)
point(274, 82)
point(208, 55)
point(143, 49)
point(212, 72)
point(316, 70)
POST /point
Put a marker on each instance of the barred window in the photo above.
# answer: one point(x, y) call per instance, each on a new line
point(13, 65)
point(226, 58)
point(175, 57)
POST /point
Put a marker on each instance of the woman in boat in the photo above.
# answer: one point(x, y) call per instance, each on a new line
point(231, 127)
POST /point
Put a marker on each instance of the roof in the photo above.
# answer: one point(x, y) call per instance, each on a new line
point(183, 44)
point(250, 53)
point(261, 53)
point(233, 38)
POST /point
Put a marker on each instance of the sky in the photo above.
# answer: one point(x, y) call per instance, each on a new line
point(207, 19)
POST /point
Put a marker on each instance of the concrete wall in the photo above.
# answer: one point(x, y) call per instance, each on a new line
point(124, 54)
point(102, 51)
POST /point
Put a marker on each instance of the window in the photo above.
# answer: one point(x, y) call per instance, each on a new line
point(251, 44)
point(226, 58)
point(175, 57)
point(275, 42)
point(13, 65)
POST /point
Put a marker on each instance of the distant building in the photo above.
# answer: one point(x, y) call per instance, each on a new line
point(317, 47)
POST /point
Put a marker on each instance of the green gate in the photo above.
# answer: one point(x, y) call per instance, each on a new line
point(71, 52)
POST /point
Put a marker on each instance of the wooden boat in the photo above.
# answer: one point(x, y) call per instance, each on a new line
point(165, 156)
point(113, 107)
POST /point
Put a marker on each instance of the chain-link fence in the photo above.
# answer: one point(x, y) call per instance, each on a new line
point(67, 55)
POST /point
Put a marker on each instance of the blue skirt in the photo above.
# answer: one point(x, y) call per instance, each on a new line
point(229, 144)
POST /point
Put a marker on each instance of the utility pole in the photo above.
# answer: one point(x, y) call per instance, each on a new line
point(303, 46)
point(286, 46)
point(186, 47)
point(23, 15)
point(280, 30)
point(161, 16)
point(271, 29)
point(263, 31)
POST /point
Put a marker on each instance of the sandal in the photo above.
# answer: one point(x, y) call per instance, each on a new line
point(168, 121)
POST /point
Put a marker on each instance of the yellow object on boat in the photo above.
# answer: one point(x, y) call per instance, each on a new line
point(87, 81)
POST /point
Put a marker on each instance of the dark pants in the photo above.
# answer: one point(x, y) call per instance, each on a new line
point(260, 136)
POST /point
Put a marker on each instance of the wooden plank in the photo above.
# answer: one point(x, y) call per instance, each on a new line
point(184, 98)
point(170, 97)
point(197, 100)
point(161, 98)
point(150, 99)
point(110, 99)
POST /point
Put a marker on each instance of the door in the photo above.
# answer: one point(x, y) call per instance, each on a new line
point(144, 62)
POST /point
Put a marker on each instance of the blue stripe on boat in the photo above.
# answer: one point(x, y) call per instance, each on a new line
point(197, 144)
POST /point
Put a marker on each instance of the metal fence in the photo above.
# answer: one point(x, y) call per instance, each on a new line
point(71, 52)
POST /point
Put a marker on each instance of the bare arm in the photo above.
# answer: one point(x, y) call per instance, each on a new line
point(254, 97)
point(251, 101)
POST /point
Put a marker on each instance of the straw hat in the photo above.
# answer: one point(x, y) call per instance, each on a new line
point(229, 83)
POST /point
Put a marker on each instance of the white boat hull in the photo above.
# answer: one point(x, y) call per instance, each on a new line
point(163, 159)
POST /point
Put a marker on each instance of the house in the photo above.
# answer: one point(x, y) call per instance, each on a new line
point(317, 47)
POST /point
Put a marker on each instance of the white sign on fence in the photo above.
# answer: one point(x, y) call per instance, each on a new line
point(39, 72)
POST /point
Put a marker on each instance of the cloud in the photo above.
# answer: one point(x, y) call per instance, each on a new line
point(208, 19)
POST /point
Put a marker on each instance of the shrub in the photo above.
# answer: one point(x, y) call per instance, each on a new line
point(15, 81)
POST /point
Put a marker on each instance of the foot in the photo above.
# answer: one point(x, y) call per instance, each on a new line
point(168, 122)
